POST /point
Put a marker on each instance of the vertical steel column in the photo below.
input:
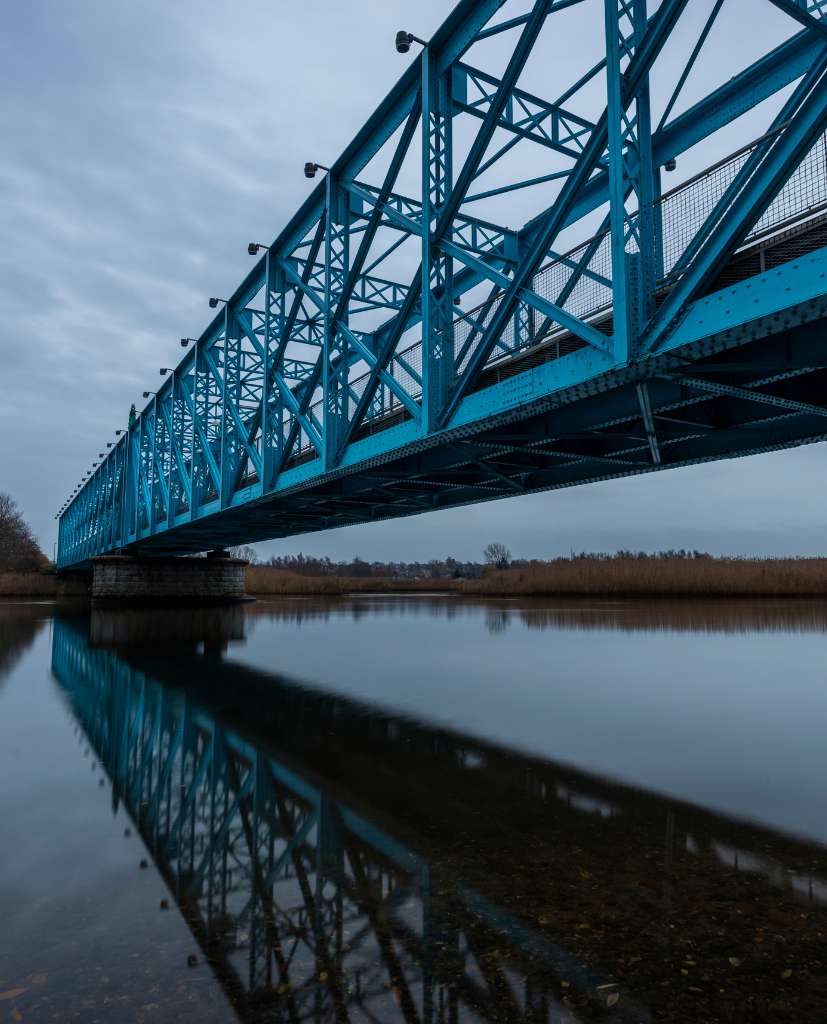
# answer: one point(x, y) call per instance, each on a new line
point(172, 440)
point(197, 471)
point(153, 465)
point(137, 445)
point(437, 268)
point(272, 419)
point(229, 389)
point(335, 355)
point(634, 249)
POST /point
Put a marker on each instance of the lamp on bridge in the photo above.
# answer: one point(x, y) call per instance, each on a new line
point(670, 165)
point(310, 172)
point(404, 40)
point(165, 370)
point(214, 302)
point(186, 341)
point(118, 433)
point(148, 393)
point(253, 247)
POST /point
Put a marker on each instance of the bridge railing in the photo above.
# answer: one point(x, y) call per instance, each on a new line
point(580, 280)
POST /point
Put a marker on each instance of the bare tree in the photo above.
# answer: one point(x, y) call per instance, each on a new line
point(246, 552)
point(497, 555)
point(18, 548)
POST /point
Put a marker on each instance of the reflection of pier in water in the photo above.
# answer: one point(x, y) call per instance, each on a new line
point(336, 863)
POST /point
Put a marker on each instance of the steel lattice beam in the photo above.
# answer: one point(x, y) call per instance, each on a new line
point(329, 360)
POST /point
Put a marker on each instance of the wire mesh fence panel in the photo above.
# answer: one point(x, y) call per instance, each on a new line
point(804, 193)
point(580, 281)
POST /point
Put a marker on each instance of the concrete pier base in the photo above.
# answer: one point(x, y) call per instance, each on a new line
point(217, 578)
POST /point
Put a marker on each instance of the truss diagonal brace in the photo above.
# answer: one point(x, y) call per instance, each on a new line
point(648, 422)
point(801, 15)
point(716, 388)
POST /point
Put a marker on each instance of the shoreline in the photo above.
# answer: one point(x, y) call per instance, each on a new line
point(617, 577)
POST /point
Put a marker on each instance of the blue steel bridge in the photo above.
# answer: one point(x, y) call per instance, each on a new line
point(397, 349)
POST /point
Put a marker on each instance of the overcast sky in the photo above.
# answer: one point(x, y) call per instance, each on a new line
point(145, 143)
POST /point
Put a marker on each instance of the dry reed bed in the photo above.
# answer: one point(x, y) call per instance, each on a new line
point(650, 577)
point(262, 579)
point(586, 577)
point(27, 584)
point(38, 584)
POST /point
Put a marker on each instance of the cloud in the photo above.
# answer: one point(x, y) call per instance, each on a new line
point(146, 144)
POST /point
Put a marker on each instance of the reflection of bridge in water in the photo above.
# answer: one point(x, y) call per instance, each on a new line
point(339, 863)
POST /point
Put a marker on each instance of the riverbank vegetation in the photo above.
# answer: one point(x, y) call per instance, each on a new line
point(19, 551)
point(25, 572)
point(22, 564)
point(625, 574)
point(665, 575)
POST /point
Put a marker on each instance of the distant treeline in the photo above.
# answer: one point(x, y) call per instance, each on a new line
point(435, 569)
point(446, 568)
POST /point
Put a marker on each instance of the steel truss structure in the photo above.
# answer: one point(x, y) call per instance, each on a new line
point(300, 892)
point(334, 387)
point(307, 910)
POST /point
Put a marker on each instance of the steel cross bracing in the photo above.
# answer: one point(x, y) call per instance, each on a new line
point(401, 349)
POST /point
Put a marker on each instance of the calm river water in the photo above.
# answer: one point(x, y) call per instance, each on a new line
point(414, 809)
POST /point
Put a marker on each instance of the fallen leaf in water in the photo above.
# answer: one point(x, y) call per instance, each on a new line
point(786, 974)
point(735, 961)
point(12, 993)
point(612, 999)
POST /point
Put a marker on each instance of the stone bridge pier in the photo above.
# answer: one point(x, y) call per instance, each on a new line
point(126, 577)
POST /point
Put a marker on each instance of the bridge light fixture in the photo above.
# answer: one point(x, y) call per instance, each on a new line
point(214, 302)
point(253, 247)
point(108, 444)
point(310, 169)
point(404, 40)
point(148, 393)
point(165, 370)
point(186, 341)
point(670, 165)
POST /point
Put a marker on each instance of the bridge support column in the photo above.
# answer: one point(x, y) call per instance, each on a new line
point(216, 578)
